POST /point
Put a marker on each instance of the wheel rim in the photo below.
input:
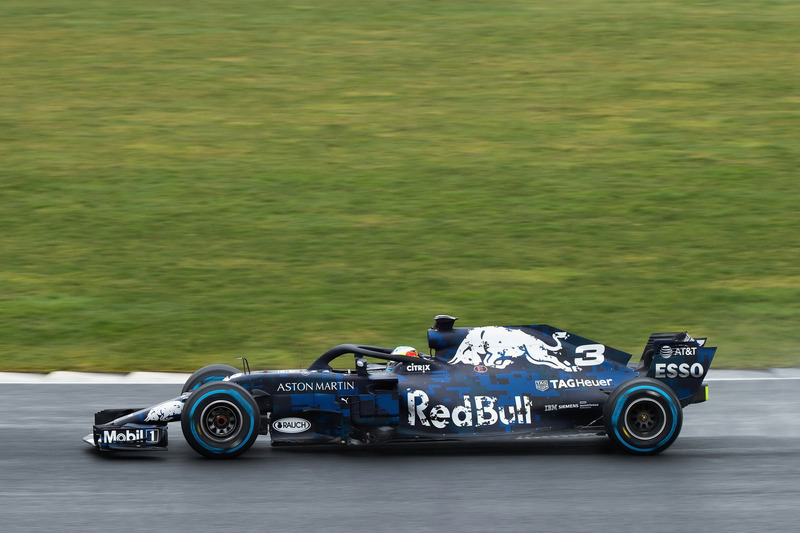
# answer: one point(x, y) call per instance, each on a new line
point(220, 420)
point(645, 419)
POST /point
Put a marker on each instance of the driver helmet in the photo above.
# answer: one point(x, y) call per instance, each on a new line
point(408, 351)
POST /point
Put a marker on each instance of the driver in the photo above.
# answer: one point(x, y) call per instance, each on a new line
point(408, 351)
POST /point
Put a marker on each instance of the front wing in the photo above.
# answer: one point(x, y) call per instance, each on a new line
point(134, 429)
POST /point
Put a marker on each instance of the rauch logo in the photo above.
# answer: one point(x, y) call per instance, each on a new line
point(291, 425)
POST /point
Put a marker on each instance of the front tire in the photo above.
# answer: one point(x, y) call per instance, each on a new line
point(208, 374)
point(643, 416)
point(220, 420)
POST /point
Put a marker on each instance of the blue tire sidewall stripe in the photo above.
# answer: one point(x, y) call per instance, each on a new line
point(208, 380)
point(242, 402)
point(618, 410)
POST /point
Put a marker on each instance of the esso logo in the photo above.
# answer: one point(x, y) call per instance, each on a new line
point(683, 370)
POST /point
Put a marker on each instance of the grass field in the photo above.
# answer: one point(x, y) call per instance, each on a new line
point(187, 182)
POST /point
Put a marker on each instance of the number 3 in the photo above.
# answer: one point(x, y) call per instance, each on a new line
point(593, 354)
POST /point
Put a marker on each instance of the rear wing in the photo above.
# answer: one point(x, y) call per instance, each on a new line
point(680, 361)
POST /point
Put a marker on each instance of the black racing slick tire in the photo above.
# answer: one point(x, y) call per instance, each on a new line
point(207, 374)
point(220, 420)
point(643, 416)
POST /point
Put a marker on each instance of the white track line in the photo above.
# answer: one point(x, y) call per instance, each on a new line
point(137, 378)
point(767, 378)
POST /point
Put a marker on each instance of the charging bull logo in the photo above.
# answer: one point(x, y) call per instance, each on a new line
point(164, 412)
point(498, 347)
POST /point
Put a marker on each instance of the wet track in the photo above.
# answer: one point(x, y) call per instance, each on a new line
point(735, 467)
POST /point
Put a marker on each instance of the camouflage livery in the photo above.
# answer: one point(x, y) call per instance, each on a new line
point(491, 382)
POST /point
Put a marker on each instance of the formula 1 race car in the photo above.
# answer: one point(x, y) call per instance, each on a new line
point(479, 382)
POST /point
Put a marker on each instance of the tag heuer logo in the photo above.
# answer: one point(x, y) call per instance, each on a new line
point(542, 385)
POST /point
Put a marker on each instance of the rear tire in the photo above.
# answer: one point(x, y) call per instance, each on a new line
point(208, 374)
point(643, 416)
point(220, 420)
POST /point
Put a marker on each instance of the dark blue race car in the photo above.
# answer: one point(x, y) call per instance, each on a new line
point(479, 382)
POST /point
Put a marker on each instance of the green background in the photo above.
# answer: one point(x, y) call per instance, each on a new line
point(188, 182)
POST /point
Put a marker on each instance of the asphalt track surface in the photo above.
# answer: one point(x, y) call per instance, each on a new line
point(735, 467)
